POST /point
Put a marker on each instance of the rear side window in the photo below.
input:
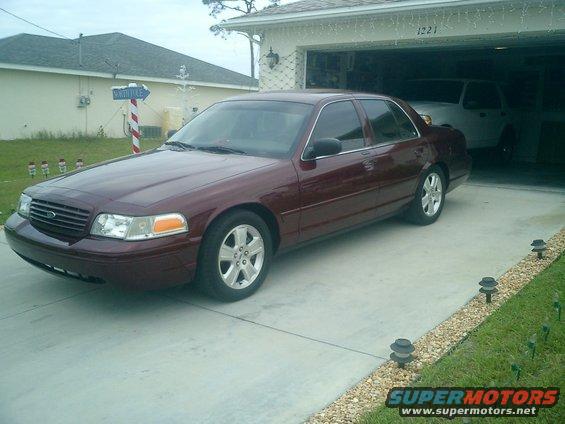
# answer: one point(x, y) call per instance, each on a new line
point(340, 121)
point(382, 121)
point(405, 125)
point(388, 121)
point(481, 95)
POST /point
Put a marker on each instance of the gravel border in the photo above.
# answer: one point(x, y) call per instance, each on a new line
point(372, 390)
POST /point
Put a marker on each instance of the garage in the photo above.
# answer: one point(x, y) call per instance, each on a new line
point(379, 46)
point(532, 79)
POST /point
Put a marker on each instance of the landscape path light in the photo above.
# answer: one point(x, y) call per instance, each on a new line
point(532, 345)
point(545, 331)
point(539, 247)
point(557, 306)
point(31, 169)
point(488, 287)
point(45, 168)
point(62, 166)
point(402, 352)
point(79, 164)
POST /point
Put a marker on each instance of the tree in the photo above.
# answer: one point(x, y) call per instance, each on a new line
point(245, 7)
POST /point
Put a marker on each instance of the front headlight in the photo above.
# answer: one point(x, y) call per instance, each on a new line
point(138, 227)
point(23, 205)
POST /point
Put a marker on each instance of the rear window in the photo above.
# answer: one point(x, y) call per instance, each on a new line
point(442, 91)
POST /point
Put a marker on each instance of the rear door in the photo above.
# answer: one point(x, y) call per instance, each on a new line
point(399, 154)
point(336, 191)
point(482, 114)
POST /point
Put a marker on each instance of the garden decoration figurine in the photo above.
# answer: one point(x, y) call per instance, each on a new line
point(62, 166)
point(31, 169)
point(45, 168)
point(79, 164)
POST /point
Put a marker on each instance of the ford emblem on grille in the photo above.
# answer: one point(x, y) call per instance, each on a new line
point(50, 214)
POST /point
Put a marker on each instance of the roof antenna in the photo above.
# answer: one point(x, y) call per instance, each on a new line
point(80, 50)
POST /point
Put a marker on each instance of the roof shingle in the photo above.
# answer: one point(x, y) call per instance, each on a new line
point(312, 5)
point(101, 53)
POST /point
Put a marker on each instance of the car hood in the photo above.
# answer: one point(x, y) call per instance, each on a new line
point(428, 108)
point(156, 175)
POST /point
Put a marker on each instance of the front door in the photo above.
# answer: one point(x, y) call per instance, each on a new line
point(336, 191)
point(482, 115)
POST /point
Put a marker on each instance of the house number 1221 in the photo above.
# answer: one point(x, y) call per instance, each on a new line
point(427, 30)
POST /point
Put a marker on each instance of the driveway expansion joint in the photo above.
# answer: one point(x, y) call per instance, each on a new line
point(280, 330)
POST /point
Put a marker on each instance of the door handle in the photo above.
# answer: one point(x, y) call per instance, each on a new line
point(365, 153)
point(482, 114)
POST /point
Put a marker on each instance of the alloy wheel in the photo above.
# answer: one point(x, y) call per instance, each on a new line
point(241, 256)
point(432, 194)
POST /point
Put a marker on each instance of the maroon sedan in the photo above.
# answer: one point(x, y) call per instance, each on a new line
point(248, 177)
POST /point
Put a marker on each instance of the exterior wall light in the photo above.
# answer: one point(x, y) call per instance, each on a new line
point(79, 164)
point(272, 58)
point(31, 169)
point(62, 166)
point(539, 247)
point(45, 168)
point(402, 352)
point(488, 287)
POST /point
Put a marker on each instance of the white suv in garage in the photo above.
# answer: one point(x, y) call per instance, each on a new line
point(475, 107)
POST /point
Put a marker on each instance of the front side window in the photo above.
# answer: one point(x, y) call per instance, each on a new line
point(255, 127)
point(340, 121)
point(481, 95)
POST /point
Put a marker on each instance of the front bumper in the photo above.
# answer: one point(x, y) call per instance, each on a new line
point(143, 265)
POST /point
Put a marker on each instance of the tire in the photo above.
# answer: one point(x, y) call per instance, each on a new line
point(419, 211)
point(506, 146)
point(243, 266)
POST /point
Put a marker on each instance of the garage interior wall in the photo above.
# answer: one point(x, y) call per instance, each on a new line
point(533, 79)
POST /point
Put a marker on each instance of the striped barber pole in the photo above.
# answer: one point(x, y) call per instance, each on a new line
point(134, 125)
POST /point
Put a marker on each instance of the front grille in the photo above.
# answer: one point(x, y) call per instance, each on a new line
point(57, 218)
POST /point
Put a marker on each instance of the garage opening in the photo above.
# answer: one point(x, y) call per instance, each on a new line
point(531, 78)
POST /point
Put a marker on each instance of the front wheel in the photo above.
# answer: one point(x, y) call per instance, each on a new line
point(235, 256)
point(428, 202)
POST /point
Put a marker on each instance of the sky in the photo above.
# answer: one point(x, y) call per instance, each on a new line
point(180, 25)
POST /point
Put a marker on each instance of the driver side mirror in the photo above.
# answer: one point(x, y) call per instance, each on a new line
point(323, 147)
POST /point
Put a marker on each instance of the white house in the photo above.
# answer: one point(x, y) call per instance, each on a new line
point(374, 45)
point(55, 86)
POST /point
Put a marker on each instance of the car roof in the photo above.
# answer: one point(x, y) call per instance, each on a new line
point(309, 96)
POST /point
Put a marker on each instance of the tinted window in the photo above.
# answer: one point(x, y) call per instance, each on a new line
point(382, 120)
point(339, 120)
point(407, 129)
point(443, 91)
point(481, 95)
point(259, 128)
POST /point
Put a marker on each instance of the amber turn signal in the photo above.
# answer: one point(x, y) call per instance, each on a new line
point(169, 223)
point(427, 119)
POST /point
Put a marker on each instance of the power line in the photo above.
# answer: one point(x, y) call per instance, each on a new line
point(35, 25)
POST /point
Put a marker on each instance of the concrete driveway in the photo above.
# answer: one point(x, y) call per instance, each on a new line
point(323, 320)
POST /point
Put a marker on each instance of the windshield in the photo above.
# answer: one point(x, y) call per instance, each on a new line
point(257, 128)
point(431, 91)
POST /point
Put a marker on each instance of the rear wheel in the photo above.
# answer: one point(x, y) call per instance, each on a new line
point(428, 202)
point(235, 256)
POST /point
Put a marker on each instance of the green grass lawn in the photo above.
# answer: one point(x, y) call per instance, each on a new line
point(15, 156)
point(484, 359)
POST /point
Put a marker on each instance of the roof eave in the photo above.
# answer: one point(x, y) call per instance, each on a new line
point(96, 74)
point(242, 23)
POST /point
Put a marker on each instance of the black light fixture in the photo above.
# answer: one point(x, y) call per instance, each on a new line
point(402, 352)
point(488, 287)
point(272, 58)
point(539, 247)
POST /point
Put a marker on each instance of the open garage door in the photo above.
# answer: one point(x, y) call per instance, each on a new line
point(532, 79)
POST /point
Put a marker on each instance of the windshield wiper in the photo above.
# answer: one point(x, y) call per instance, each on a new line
point(180, 144)
point(221, 149)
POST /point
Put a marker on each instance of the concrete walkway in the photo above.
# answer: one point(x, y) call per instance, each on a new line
point(323, 320)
